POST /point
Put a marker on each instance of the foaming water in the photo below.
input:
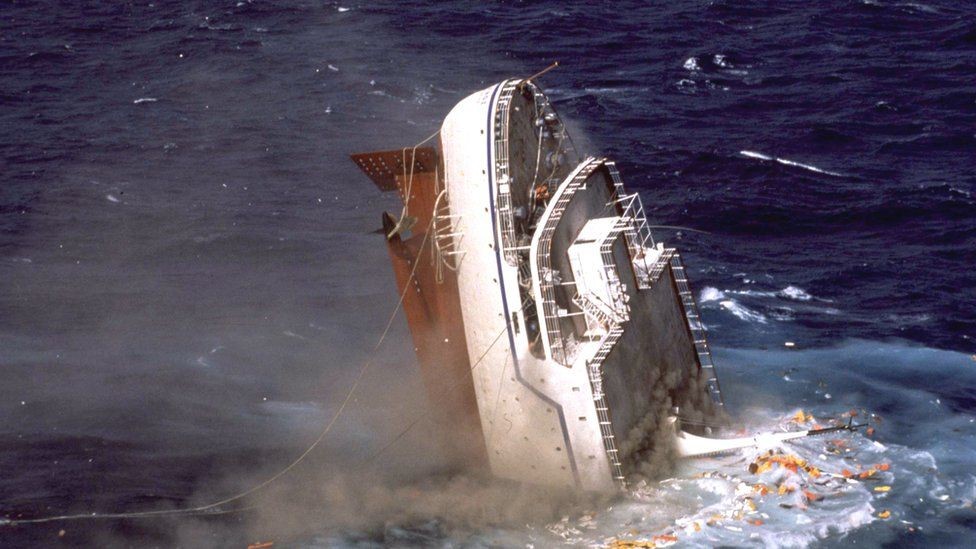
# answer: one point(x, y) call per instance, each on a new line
point(788, 162)
point(893, 481)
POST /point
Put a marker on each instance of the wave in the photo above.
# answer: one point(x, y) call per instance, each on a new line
point(788, 162)
point(713, 295)
point(794, 293)
point(710, 296)
point(742, 312)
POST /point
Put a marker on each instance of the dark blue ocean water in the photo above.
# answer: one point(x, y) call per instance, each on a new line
point(189, 281)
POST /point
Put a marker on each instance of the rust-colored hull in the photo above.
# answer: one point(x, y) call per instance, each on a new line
point(432, 306)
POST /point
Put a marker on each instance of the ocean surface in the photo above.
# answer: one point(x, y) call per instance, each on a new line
point(190, 280)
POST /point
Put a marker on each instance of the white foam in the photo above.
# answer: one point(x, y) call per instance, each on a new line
point(753, 154)
point(113, 199)
point(807, 167)
point(709, 293)
point(145, 100)
point(794, 293)
point(691, 64)
point(742, 312)
point(752, 293)
point(788, 162)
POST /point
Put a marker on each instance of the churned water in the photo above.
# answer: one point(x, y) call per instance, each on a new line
point(189, 278)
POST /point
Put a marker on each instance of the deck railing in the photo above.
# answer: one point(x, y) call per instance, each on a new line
point(697, 328)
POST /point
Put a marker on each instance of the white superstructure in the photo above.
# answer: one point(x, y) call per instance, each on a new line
point(581, 332)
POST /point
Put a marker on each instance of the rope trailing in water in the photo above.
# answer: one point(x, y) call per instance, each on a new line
point(212, 508)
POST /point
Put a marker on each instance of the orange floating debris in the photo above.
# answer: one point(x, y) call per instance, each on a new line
point(867, 474)
point(756, 522)
point(883, 466)
point(811, 496)
point(261, 545)
point(801, 417)
point(846, 473)
point(882, 488)
point(764, 466)
point(884, 514)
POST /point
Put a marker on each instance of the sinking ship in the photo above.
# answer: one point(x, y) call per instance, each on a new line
point(555, 335)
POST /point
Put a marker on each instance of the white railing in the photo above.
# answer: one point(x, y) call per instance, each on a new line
point(445, 252)
point(505, 213)
point(637, 233)
point(550, 310)
point(595, 370)
point(697, 329)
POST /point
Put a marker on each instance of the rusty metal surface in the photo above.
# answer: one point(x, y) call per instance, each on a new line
point(383, 167)
point(432, 308)
point(433, 312)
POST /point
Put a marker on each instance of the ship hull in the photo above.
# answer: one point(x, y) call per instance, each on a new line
point(548, 415)
point(554, 335)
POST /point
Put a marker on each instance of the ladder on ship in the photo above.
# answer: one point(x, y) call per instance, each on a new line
point(697, 329)
point(595, 367)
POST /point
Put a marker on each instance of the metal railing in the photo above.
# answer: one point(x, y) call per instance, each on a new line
point(637, 233)
point(503, 181)
point(697, 328)
point(550, 311)
point(445, 252)
point(595, 371)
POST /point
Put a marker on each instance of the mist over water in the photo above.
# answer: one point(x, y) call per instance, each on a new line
point(189, 282)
